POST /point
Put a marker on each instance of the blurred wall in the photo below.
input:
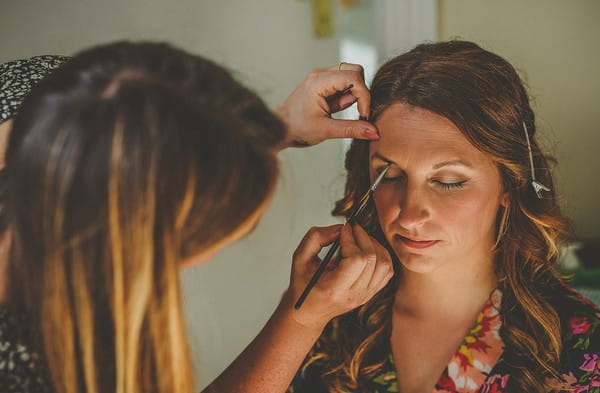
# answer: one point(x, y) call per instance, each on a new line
point(270, 46)
point(555, 44)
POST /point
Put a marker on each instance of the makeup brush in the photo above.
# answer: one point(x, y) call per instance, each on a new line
point(336, 245)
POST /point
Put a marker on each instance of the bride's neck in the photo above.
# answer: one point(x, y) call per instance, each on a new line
point(448, 292)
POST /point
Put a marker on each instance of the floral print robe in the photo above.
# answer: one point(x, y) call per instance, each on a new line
point(481, 364)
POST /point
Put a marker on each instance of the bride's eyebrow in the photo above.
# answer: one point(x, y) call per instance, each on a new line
point(383, 158)
point(457, 162)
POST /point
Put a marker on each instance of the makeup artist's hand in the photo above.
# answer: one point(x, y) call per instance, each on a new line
point(364, 269)
point(272, 359)
point(307, 111)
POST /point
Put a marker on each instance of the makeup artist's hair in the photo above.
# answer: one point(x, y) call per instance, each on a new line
point(482, 94)
point(128, 159)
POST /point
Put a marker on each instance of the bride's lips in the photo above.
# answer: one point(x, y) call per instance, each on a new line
point(413, 243)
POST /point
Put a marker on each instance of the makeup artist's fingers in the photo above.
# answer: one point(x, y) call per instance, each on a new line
point(307, 111)
point(361, 273)
point(348, 246)
point(357, 255)
point(347, 79)
point(363, 240)
point(343, 66)
point(315, 239)
point(339, 282)
point(338, 128)
point(384, 269)
point(342, 102)
point(369, 253)
point(358, 70)
point(338, 102)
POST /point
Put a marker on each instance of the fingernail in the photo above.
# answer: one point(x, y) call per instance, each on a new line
point(371, 134)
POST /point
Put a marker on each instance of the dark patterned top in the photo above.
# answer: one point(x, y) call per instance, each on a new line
point(19, 365)
point(482, 363)
point(18, 77)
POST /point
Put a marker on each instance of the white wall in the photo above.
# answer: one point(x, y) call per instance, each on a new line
point(270, 46)
point(555, 44)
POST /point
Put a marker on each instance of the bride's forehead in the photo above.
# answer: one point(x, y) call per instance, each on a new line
point(404, 121)
point(426, 140)
point(426, 147)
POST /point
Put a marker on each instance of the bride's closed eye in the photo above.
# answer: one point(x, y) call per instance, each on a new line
point(449, 186)
point(445, 186)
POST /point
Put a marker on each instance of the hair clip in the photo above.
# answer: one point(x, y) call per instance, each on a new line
point(537, 186)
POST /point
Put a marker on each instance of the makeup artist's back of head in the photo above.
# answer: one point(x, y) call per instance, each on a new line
point(127, 160)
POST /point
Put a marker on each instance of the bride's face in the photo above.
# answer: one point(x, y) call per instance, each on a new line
point(439, 200)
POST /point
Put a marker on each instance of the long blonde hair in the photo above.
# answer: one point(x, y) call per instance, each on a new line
point(484, 97)
point(127, 160)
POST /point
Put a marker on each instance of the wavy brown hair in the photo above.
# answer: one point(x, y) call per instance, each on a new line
point(482, 94)
point(126, 161)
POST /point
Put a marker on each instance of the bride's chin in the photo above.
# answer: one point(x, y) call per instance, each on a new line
point(417, 263)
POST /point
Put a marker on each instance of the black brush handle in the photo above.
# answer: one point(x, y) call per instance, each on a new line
point(332, 250)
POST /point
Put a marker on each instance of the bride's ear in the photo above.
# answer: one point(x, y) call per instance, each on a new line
point(504, 199)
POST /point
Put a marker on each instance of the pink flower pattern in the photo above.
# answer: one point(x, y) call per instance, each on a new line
point(579, 325)
point(480, 349)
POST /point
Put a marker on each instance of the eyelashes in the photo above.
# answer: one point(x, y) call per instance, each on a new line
point(450, 186)
point(439, 184)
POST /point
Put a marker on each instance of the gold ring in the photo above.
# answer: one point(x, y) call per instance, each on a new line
point(340, 66)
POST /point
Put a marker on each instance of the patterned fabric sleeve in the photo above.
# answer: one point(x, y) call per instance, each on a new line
point(581, 368)
point(20, 369)
point(17, 77)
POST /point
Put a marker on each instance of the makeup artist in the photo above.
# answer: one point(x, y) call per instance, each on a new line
point(130, 161)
